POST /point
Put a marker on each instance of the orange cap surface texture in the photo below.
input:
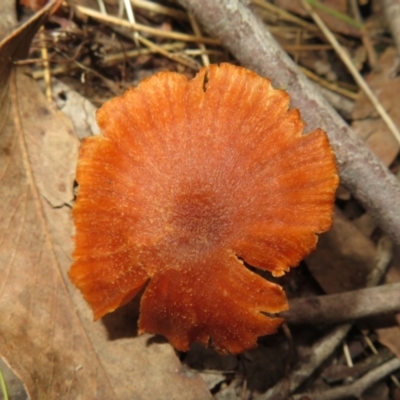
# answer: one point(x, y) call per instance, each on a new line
point(189, 179)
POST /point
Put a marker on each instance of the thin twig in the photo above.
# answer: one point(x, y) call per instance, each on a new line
point(175, 57)
point(343, 307)
point(347, 355)
point(111, 59)
point(344, 106)
point(365, 37)
point(329, 85)
point(111, 85)
point(131, 18)
point(102, 6)
point(288, 362)
point(306, 47)
point(159, 9)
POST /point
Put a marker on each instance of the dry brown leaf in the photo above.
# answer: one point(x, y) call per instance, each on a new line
point(33, 4)
point(47, 336)
point(390, 337)
point(366, 121)
point(77, 108)
point(35, 309)
point(344, 257)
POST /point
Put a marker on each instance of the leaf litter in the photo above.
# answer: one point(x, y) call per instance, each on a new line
point(49, 338)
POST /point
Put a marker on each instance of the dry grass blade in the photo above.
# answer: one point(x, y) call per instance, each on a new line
point(175, 57)
point(160, 9)
point(196, 30)
point(143, 28)
point(151, 45)
point(329, 85)
point(46, 66)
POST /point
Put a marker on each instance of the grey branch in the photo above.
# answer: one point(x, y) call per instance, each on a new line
point(343, 307)
point(244, 35)
point(355, 389)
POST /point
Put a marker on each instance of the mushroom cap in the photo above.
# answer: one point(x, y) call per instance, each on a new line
point(190, 178)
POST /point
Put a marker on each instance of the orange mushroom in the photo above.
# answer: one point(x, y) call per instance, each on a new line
point(189, 179)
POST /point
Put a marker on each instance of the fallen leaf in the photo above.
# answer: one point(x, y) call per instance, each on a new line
point(80, 110)
point(366, 122)
point(379, 390)
point(33, 4)
point(390, 337)
point(47, 334)
point(344, 257)
point(36, 335)
point(36, 312)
